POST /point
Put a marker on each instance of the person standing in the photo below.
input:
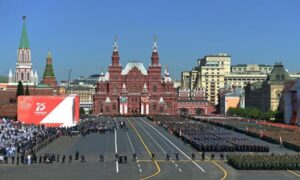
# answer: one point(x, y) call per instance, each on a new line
point(13, 159)
point(63, 159)
point(18, 159)
point(70, 158)
point(77, 155)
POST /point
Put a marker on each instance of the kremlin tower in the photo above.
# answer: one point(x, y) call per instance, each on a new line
point(24, 71)
point(49, 76)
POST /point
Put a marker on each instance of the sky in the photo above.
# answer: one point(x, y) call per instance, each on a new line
point(80, 33)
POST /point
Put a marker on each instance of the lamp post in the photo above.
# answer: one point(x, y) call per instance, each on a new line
point(69, 75)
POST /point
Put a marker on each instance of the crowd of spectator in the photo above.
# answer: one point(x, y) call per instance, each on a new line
point(20, 140)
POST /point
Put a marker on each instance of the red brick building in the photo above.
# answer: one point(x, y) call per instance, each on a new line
point(192, 102)
point(135, 90)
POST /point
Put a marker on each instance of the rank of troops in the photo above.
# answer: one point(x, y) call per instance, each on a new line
point(264, 162)
point(209, 138)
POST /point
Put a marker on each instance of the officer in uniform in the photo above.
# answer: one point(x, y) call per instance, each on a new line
point(212, 156)
point(167, 157)
point(63, 159)
point(203, 156)
point(125, 159)
point(133, 156)
point(193, 156)
point(153, 156)
point(101, 158)
point(77, 155)
point(13, 159)
point(116, 156)
point(177, 156)
point(18, 159)
point(82, 158)
point(222, 156)
point(70, 158)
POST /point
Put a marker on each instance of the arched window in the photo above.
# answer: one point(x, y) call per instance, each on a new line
point(22, 76)
point(154, 88)
point(28, 77)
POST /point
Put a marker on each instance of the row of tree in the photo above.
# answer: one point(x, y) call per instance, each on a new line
point(20, 90)
point(254, 113)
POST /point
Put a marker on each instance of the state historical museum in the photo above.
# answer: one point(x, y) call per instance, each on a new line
point(135, 90)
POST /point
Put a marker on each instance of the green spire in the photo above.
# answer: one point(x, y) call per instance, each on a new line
point(49, 56)
point(24, 43)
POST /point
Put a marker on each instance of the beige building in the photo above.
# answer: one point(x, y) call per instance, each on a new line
point(212, 72)
point(85, 95)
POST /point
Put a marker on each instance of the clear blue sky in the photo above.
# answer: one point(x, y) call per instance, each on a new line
point(80, 33)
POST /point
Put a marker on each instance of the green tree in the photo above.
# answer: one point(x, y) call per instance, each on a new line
point(27, 93)
point(20, 89)
point(82, 111)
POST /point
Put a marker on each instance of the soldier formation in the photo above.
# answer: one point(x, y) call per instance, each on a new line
point(264, 162)
point(209, 138)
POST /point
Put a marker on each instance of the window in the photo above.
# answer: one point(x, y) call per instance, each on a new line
point(161, 110)
point(22, 76)
point(107, 109)
point(114, 89)
point(114, 107)
point(28, 77)
point(154, 107)
point(154, 88)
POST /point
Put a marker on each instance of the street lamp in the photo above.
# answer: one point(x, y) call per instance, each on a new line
point(69, 75)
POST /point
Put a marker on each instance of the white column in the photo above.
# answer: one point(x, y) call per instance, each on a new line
point(125, 108)
point(147, 108)
point(142, 108)
point(121, 108)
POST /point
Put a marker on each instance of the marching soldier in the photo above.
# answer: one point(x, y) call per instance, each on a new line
point(57, 158)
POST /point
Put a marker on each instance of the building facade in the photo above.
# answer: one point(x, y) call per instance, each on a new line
point(291, 95)
point(193, 102)
point(85, 94)
point(135, 90)
point(267, 95)
point(231, 98)
point(212, 70)
point(24, 71)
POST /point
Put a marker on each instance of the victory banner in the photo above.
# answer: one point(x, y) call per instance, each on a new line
point(54, 111)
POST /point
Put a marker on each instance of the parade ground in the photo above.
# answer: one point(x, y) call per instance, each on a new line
point(144, 138)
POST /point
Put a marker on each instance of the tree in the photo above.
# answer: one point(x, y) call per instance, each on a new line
point(81, 111)
point(20, 89)
point(27, 93)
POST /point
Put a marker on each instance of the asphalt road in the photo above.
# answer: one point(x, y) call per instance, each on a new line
point(143, 137)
